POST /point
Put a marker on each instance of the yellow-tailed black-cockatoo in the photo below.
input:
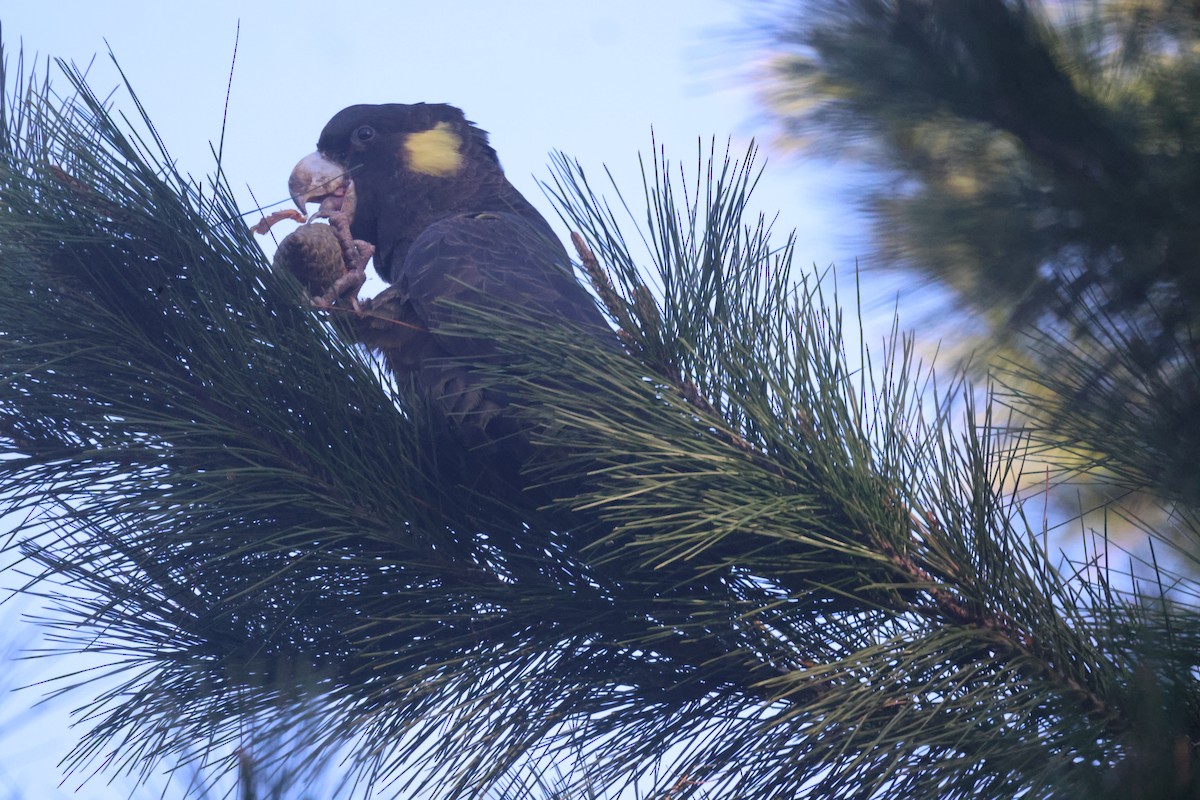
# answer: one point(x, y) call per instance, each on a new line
point(420, 187)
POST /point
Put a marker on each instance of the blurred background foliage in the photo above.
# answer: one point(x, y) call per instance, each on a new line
point(1041, 160)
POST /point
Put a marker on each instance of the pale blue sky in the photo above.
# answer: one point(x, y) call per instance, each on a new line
point(589, 78)
point(586, 78)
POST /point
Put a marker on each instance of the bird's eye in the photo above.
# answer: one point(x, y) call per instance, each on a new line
point(364, 133)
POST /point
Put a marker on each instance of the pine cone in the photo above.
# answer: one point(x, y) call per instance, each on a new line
point(312, 253)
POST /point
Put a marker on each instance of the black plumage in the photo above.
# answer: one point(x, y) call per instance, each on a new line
point(421, 187)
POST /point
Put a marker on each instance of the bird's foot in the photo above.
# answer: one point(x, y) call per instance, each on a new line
point(355, 255)
point(355, 252)
point(344, 290)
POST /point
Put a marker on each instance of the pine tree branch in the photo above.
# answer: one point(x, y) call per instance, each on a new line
point(734, 545)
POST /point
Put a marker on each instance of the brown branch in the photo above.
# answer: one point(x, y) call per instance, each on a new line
point(600, 279)
point(264, 225)
point(1012, 636)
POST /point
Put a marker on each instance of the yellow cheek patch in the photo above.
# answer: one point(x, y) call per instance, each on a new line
point(437, 151)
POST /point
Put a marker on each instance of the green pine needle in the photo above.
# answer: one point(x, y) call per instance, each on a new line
point(775, 574)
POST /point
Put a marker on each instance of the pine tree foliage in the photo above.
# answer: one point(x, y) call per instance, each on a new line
point(1047, 147)
point(774, 574)
point(1044, 159)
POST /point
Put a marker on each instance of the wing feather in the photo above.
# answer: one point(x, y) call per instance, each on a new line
point(487, 261)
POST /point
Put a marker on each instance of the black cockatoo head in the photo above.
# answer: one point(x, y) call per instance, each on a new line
point(395, 169)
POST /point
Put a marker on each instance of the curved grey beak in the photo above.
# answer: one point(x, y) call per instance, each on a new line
point(316, 179)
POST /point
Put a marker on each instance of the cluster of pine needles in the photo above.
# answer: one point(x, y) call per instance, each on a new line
point(780, 571)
